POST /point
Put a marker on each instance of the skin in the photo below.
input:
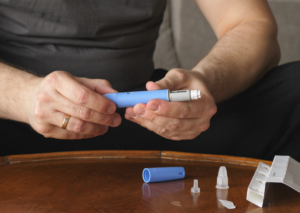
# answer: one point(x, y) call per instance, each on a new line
point(247, 49)
point(44, 102)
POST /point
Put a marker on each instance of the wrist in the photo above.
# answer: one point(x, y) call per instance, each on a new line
point(16, 93)
point(28, 94)
point(214, 78)
point(203, 78)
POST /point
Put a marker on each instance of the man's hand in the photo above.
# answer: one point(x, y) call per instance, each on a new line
point(176, 120)
point(60, 94)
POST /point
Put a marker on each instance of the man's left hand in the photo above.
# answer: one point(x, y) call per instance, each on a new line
point(176, 120)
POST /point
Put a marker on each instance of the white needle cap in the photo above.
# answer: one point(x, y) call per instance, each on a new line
point(195, 188)
point(222, 179)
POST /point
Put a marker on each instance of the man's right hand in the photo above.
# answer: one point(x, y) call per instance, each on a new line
point(60, 94)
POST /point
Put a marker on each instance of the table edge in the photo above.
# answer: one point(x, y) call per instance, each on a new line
point(119, 154)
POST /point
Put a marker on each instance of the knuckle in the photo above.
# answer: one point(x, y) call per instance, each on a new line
point(73, 136)
point(161, 131)
point(108, 119)
point(213, 110)
point(43, 130)
point(78, 125)
point(174, 125)
point(88, 136)
point(81, 96)
point(104, 106)
point(191, 137)
point(184, 111)
point(59, 73)
point(152, 118)
point(179, 74)
point(52, 78)
point(175, 138)
point(39, 113)
point(103, 130)
point(84, 112)
point(105, 82)
point(43, 98)
point(204, 127)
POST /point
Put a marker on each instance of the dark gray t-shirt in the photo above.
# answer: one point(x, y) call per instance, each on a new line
point(107, 39)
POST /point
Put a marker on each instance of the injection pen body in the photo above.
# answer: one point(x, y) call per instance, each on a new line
point(130, 99)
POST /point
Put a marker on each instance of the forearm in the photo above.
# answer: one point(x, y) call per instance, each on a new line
point(239, 59)
point(15, 88)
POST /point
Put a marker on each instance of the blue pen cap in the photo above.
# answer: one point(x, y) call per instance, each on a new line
point(163, 174)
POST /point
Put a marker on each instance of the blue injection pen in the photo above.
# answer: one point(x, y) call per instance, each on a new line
point(130, 99)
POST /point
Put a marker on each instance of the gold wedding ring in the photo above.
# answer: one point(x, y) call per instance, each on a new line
point(65, 122)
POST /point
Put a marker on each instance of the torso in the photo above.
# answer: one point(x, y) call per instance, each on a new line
point(108, 39)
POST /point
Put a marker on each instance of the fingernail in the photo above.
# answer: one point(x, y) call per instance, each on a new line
point(117, 121)
point(153, 107)
point(131, 114)
point(140, 111)
point(111, 109)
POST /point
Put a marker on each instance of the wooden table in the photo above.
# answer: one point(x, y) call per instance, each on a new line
point(111, 181)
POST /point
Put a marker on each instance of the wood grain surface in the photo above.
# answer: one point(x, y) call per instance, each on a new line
point(111, 181)
point(81, 155)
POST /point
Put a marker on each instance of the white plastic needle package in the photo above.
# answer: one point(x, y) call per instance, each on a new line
point(227, 204)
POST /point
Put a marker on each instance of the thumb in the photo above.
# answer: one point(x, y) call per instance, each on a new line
point(175, 79)
point(100, 86)
point(153, 86)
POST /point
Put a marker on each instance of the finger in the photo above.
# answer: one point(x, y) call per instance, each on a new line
point(175, 79)
point(81, 95)
point(182, 109)
point(51, 131)
point(100, 86)
point(77, 125)
point(68, 107)
point(130, 115)
point(172, 124)
point(153, 86)
point(162, 131)
point(59, 133)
